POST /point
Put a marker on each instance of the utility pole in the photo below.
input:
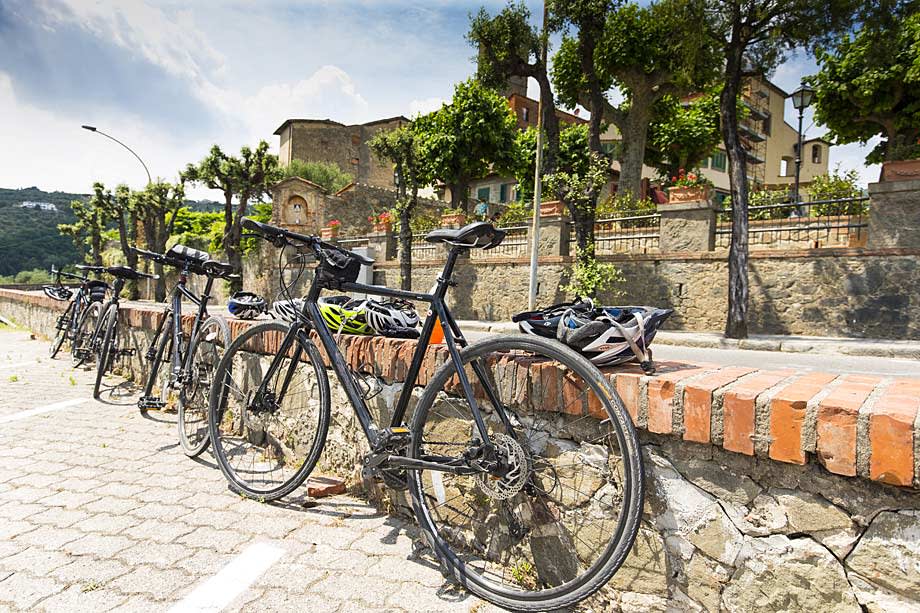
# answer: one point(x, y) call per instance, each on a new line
point(537, 183)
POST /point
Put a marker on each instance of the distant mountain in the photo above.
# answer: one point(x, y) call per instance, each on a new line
point(29, 236)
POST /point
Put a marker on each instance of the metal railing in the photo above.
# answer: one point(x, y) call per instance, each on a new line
point(816, 224)
point(516, 244)
point(629, 232)
point(352, 242)
point(423, 250)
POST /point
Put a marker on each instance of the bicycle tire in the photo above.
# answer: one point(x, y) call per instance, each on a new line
point(230, 417)
point(194, 434)
point(547, 581)
point(106, 355)
point(81, 344)
point(63, 325)
point(164, 348)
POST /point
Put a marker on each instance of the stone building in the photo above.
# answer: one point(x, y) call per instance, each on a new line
point(324, 140)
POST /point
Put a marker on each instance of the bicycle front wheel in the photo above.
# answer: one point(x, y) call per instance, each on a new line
point(81, 345)
point(550, 518)
point(109, 350)
point(268, 428)
point(207, 348)
point(62, 326)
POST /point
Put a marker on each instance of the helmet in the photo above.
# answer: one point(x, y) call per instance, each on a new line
point(384, 315)
point(246, 305)
point(287, 310)
point(57, 292)
point(545, 322)
point(342, 314)
point(612, 335)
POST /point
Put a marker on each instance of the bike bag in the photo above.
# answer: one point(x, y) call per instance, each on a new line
point(337, 266)
point(97, 290)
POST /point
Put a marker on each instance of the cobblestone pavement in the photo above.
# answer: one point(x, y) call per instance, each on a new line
point(100, 510)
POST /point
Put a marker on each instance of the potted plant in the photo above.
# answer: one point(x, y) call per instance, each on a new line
point(688, 187)
point(553, 208)
point(452, 217)
point(382, 222)
point(902, 162)
point(331, 230)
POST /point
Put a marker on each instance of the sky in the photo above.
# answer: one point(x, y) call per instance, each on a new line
point(172, 77)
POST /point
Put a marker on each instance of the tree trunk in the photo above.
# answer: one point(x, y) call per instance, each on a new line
point(405, 243)
point(234, 250)
point(460, 195)
point(550, 124)
point(130, 256)
point(736, 324)
point(635, 135)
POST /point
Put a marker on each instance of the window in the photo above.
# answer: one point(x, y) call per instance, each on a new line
point(784, 167)
point(503, 192)
point(816, 154)
point(704, 163)
point(767, 125)
point(719, 161)
point(525, 114)
point(483, 193)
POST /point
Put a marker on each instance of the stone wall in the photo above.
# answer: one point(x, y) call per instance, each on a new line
point(766, 491)
point(826, 292)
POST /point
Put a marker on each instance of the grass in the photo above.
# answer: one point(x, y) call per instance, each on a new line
point(14, 378)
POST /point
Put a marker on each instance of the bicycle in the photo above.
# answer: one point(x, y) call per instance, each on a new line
point(82, 310)
point(185, 384)
point(107, 343)
point(527, 499)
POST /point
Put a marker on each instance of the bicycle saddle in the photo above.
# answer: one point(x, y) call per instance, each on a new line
point(477, 234)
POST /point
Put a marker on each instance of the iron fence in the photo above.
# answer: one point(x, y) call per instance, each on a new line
point(516, 244)
point(352, 242)
point(629, 232)
point(816, 224)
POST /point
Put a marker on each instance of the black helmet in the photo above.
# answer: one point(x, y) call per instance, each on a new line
point(246, 305)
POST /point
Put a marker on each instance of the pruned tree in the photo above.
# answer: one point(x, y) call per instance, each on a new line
point(221, 172)
point(124, 212)
point(92, 216)
point(401, 147)
point(642, 52)
point(683, 135)
point(468, 137)
point(754, 36)
point(869, 85)
point(153, 204)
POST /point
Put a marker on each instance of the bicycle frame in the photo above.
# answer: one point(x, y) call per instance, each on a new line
point(453, 337)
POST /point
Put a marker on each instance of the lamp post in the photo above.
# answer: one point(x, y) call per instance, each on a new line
point(98, 131)
point(801, 99)
point(537, 183)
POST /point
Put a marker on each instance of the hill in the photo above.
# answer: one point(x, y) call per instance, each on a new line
point(29, 237)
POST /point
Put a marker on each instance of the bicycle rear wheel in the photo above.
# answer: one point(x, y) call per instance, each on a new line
point(109, 350)
point(62, 329)
point(266, 445)
point(557, 518)
point(158, 380)
point(207, 348)
point(81, 346)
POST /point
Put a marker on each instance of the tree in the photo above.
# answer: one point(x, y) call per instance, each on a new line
point(325, 174)
point(683, 135)
point(401, 147)
point(754, 35)
point(869, 85)
point(152, 206)
point(646, 53)
point(463, 140)
point(257, 172)
point(123, 211)
point(92, 217)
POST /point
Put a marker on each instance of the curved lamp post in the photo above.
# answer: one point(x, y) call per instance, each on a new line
point(98, 131)
point(801, 99)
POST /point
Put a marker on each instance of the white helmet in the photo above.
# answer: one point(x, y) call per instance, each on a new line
point(383, 316)
point(287, 310)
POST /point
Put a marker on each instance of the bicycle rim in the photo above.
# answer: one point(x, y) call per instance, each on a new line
point(554, 529)
point(266, 452)
point(207, 349)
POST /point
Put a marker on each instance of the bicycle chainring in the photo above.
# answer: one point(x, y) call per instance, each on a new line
point(518, 472)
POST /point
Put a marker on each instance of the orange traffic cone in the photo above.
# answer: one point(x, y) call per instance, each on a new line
point(437, 333)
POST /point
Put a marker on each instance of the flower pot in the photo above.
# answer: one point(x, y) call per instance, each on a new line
point(452, 220)
point(688, 194)
point(329, 232)
point(553, 208)
point(901, 170)
point(383, 227)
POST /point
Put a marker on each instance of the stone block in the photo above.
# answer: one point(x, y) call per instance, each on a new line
point(687, 226)
point(894, 214)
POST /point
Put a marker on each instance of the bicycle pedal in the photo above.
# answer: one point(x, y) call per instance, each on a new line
point(394, 438)
point(125, 352)
point(150, 402)
point(150, 355)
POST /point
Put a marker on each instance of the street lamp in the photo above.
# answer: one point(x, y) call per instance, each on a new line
point(98, 131)
point(801, 99)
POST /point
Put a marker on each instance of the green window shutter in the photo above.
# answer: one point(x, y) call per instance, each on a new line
point(503, 192)
point(483, 193)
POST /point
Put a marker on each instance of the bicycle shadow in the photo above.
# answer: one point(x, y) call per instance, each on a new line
point(121, 394)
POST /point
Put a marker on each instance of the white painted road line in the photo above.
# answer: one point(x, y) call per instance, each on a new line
point(232, 580)
point(19, 365)
point(57, 406)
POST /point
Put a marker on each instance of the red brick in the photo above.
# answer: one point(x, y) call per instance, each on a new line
point(550, 393)
point(320, 486)
point(836, 427)
point(739, 410)
point(661, 393)
point(891, 433)
point(627, 387)
point(697, 401)
point(574, 399)
point(787, 416)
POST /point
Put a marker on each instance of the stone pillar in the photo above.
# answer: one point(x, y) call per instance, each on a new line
point(555, 232)
point(894, 214)
point(687, 226)
point(384, 245)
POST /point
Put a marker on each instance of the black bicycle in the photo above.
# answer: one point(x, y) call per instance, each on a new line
point(523, 465)
point(82, 312)
point(190, 353)
point(107, 343)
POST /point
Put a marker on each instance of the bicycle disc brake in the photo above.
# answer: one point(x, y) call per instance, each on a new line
point(518, 471)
